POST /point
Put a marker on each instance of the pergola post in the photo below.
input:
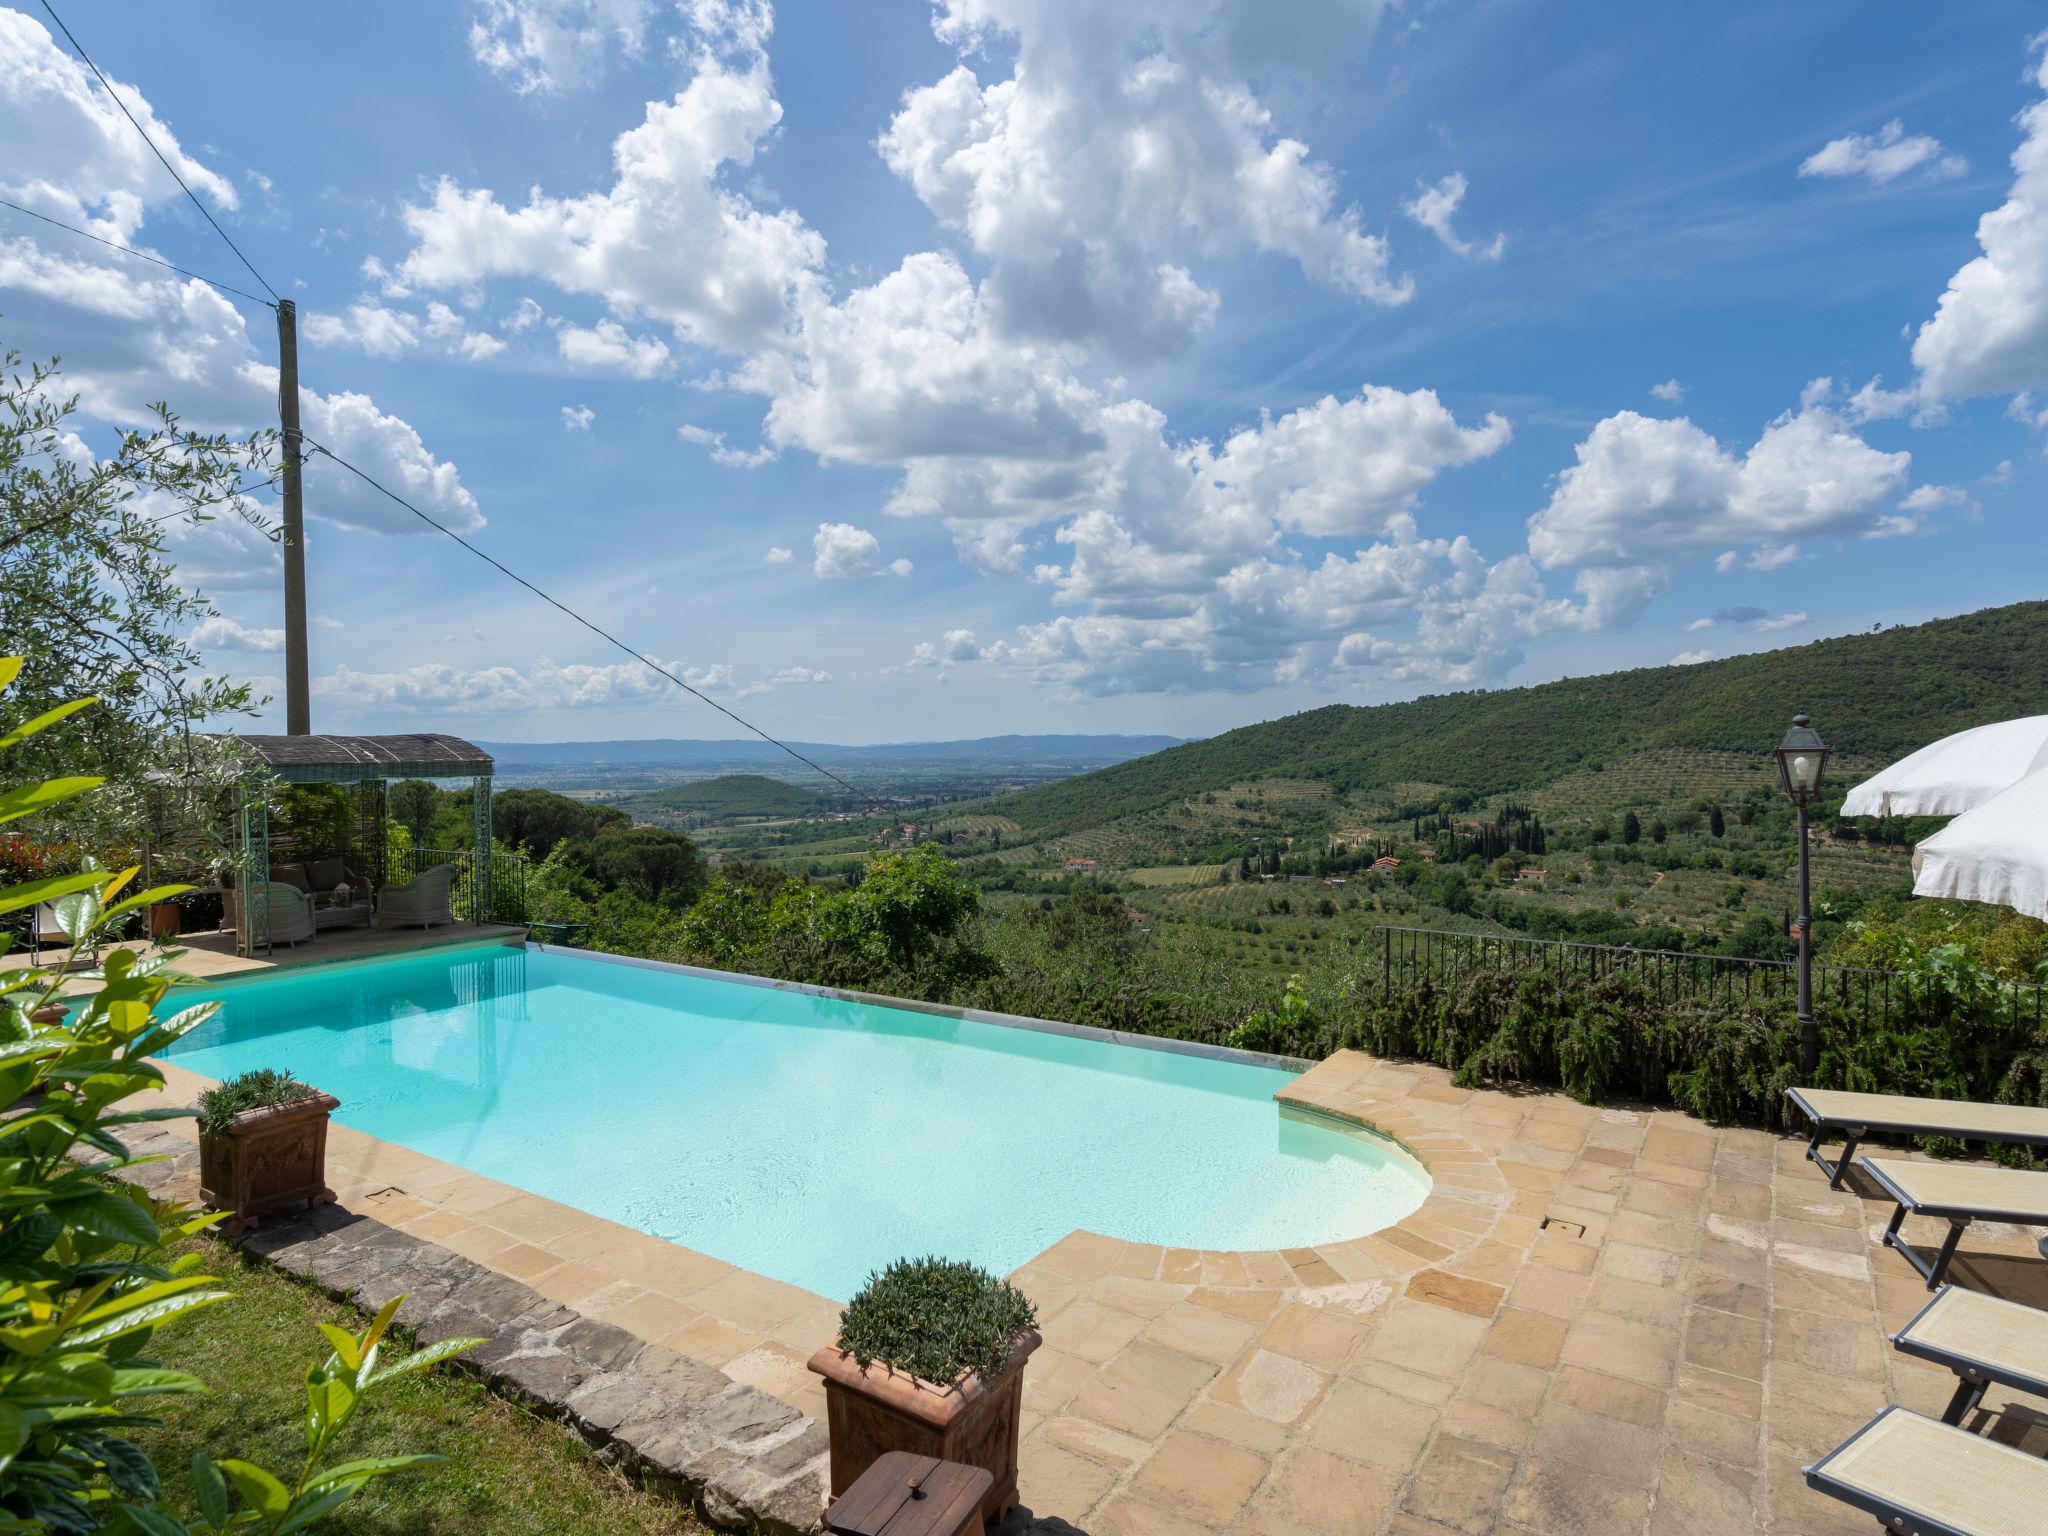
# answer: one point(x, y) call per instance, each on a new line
point(252, 918)
point(482, 907)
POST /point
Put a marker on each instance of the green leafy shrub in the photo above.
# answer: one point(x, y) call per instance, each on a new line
point(259, 1088)
point(908, 926)
point(85, 1281)
point(1277, 1031)
point(935, 1319)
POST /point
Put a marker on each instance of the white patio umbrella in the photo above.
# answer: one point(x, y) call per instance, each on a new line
point(1996, 853)
point(1956, 773)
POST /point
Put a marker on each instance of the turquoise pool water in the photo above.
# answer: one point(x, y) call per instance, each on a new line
point(800, 1137)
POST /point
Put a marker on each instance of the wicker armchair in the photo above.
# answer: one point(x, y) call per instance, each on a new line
point(290, 911)
point(422, 900)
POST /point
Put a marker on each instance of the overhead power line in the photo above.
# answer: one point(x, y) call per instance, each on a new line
point(130, 250)
point(603, 634)
point(204, 211)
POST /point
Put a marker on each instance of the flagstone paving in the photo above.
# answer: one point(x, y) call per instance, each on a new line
point(1599, 1321)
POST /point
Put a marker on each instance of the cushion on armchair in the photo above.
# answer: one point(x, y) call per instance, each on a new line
point(291, 874)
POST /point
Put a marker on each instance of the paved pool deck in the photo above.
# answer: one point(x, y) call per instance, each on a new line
point(1600, 1321)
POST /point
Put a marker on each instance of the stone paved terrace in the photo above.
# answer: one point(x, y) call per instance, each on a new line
point(1700, 1318)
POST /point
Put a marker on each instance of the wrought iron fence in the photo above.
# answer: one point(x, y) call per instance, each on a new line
point(499, 897)
point(1406, 953)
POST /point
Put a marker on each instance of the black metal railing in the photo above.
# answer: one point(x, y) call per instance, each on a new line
point(500, 899)
point(1674, 975)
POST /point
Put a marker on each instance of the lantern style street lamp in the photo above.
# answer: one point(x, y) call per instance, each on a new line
point(1801, 756)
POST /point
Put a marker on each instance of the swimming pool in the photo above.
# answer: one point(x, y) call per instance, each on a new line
point(801, 1137)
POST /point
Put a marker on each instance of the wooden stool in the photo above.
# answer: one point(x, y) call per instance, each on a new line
point(908, 1495)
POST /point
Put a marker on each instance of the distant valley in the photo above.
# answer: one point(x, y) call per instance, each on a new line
point(908, 773)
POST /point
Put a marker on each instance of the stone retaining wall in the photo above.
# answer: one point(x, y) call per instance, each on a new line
point(676, 1424)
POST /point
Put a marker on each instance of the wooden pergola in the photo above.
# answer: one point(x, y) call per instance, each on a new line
point(368, 765)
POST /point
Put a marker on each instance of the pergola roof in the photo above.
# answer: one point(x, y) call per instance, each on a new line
point(358, 759)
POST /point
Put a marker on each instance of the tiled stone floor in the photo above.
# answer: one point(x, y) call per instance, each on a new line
point(1600, 1321)
point(1699, 1319)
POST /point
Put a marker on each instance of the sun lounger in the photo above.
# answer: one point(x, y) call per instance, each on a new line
point(1924, 1478)
point(1985, 1340)
point(1960, 1193)
point(1856, 1115)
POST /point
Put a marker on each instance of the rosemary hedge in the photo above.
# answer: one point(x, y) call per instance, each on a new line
point(935, 1319)
point(258, 1089)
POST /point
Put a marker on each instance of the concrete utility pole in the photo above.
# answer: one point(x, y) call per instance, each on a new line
point(298, 706)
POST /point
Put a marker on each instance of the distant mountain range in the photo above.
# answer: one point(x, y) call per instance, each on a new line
point(989, 752)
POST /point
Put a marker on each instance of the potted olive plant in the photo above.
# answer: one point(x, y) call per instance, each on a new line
point(262, 1146)
point(930, 1359)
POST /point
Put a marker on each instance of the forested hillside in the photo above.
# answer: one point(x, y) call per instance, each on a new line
point(1875, 695)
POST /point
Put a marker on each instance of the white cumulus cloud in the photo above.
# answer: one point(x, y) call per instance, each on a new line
point(608, 347)
point(840, 551)
point(70, 152)
point(1646, 495)
point(666, 239)
point(553, 45)
point(379, 331)
point(1989, 333)
point(1122, 138)
point(1434, 206)
point(721, 453)
point(1883, 156)
point(131, 335)
point(221, 633)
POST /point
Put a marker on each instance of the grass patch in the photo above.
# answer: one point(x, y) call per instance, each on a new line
point(508, 1473)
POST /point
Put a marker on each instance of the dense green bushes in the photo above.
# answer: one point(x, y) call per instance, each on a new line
point(1938, 1019)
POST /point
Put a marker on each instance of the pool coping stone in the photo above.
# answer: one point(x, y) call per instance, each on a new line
point(738, 1454)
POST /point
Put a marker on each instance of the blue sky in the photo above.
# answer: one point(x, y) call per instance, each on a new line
point(906, 372)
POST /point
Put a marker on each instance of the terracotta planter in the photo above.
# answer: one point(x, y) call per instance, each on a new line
point(267, 1160)
point(869, 1413)
point(166, 920)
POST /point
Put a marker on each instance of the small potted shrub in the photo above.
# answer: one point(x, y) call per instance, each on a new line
point(930, 1359)
point(262, 1146)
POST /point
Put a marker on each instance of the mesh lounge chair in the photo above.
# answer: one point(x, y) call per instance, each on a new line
point(289, 909)
point(1930, 1479)
point(1961, 1193)
point(1985, 1340)
point(422, 899)
point(1856, 1115)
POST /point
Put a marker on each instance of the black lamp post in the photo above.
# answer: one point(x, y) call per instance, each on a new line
point(1801, 756)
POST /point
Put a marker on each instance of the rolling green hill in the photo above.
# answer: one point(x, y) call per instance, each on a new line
point(733, 794)
point(1876, 695)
